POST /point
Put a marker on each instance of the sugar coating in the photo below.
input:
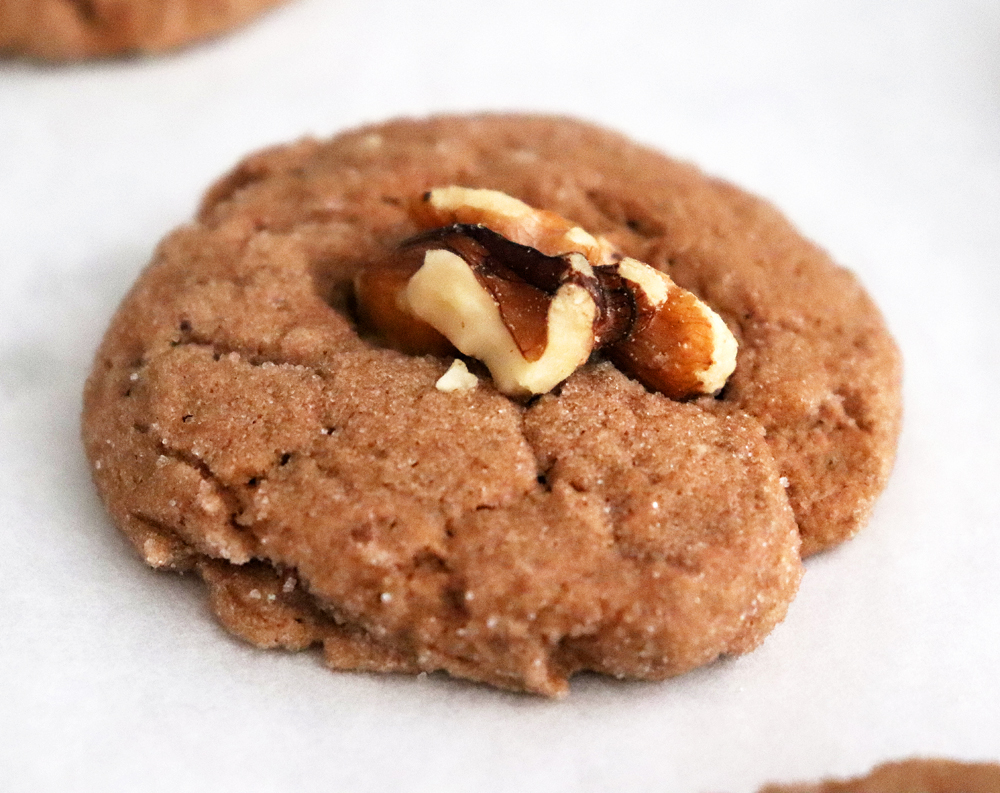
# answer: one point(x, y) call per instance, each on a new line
point(598, 527)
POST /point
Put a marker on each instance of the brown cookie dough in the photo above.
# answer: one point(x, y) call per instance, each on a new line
point(910, 776)
point(239, 425)
point(62, 30)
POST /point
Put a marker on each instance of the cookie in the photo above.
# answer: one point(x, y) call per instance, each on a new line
point(329, 492)
point(63, 30)
point(910, 776)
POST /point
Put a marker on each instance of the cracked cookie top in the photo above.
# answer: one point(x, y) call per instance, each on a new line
point(239, 424)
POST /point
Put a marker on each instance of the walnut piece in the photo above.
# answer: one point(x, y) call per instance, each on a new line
point(457, 378)
point(446, 294)
point(540, 229)
point(677, 345)
point(533, 296)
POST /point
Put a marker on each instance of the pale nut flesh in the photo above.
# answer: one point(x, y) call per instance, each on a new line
point(532, 296)
point(457, 378)
point(446, 294)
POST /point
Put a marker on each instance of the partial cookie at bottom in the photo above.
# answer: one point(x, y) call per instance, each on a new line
point(916, 775)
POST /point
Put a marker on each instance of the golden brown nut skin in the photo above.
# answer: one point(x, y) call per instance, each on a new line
point(666, 352)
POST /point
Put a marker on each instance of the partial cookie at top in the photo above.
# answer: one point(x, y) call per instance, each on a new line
point(62, 30)
point(239, 425)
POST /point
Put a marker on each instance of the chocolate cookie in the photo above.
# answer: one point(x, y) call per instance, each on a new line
point(63, 30)
point(329, 491)
point(910, 776)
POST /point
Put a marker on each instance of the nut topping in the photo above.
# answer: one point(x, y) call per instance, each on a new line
point(379, 293)
point(532, 297)
point(540, 229)
point(676, 345)
point(457, 378)
point(529, 317)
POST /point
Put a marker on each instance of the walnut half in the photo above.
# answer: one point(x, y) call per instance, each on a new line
point(533, 297)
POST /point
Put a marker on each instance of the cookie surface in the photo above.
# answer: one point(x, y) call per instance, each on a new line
point(75, 29)
point(328, 493)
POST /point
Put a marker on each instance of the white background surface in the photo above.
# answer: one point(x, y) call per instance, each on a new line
point(874, 125)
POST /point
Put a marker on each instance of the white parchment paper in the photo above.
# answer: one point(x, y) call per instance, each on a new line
point(874, 125)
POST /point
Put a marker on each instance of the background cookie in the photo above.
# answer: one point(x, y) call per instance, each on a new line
point(234, 414)
point(74, 29)
point(910, 776)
